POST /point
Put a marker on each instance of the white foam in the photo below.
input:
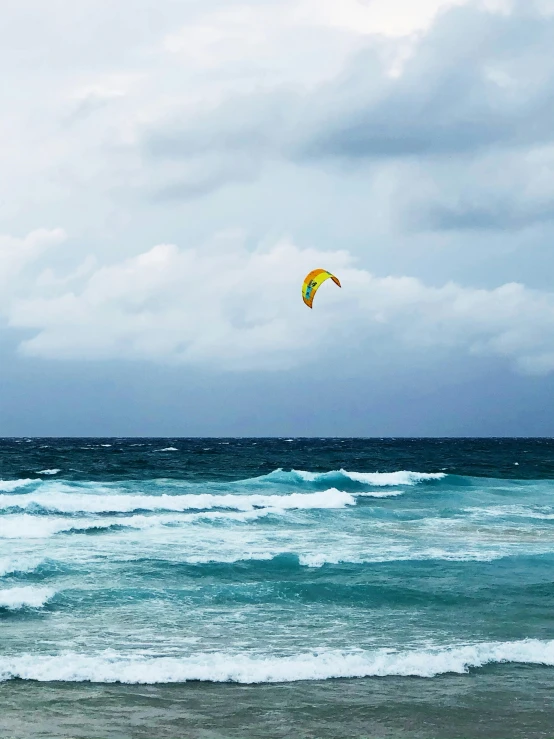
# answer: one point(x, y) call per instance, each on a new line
point(377, 479)
point(520, 511)
point(25, 526)
point(393, 478)
point(48, 472)
point(8, 485)
point(29, 596)
point(110, 667)
point(168, 449)
point(398, 554)
point(375, 494)
point(11, 565)
point(95, 503)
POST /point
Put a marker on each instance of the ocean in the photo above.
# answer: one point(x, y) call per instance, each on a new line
point(277, 588)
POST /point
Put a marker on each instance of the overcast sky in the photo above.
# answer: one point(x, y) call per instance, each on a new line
point(171, 170)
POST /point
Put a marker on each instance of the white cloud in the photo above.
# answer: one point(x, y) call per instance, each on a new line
point(422, 97)
point(387, 17)
point(18, 255)
point(230, 90)
point(75, 117)
point(483, 193)
point(228, 308)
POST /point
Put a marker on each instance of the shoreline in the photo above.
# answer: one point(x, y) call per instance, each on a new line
point(502, 701)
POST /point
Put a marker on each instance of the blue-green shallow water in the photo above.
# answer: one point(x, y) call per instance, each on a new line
point(277, 587)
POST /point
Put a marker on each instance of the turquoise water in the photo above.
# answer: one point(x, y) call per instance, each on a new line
point(192, 574)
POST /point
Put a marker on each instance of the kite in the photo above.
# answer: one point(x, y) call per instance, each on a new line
point(312, 282)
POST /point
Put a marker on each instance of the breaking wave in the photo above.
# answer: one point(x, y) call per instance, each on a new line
point(61, 502)
point(7, 486)
point(28, 596)
point(220, 667)
point(16, 565)
point(376, 479)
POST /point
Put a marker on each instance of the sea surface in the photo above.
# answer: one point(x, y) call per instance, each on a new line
point(277, 588)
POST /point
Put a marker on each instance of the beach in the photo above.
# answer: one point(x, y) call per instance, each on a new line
point(494, 702)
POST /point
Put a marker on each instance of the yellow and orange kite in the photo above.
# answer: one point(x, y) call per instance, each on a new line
point(312, 283)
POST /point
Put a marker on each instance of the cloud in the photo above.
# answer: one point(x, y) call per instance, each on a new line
point(19, 255)
point(472, 86)
point(416, 134)
point(394, 18)
point(506, 214)
point(477, 79)
point(205, 97)
point(227, 308)
point(222, 145)
point(446, 112)
point(509, 194)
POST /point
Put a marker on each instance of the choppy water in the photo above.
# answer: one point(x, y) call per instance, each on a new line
point(267, 562)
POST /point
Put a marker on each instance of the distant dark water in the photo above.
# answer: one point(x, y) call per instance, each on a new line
point(277, 587)
point(230, 459)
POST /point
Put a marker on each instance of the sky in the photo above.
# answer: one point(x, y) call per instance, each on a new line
point(171, 170)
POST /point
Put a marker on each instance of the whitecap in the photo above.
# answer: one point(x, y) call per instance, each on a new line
point(384, 479)
point(375, 479)
point(13, 565)
point(25, 526)
point(95, 503)
point(28, 596)
point(31, 527)
point(8, 485)
point(220, 667)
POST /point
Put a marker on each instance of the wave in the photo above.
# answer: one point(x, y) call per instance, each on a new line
point(94, 503)
point(385, 552)
point(221, 667)
point(298, 478)
point(28, 596)
point(320, 559)
point(7, 486)
point(376, 479)
point(544, 513)
point(30, 527)
point(317, 560)
point(229, 544)
point(25, 526)
point(17, 565)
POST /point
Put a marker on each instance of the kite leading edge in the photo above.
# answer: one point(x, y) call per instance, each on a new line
point(313, 281)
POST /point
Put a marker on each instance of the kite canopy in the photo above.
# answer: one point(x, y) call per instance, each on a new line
point(312, 282)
